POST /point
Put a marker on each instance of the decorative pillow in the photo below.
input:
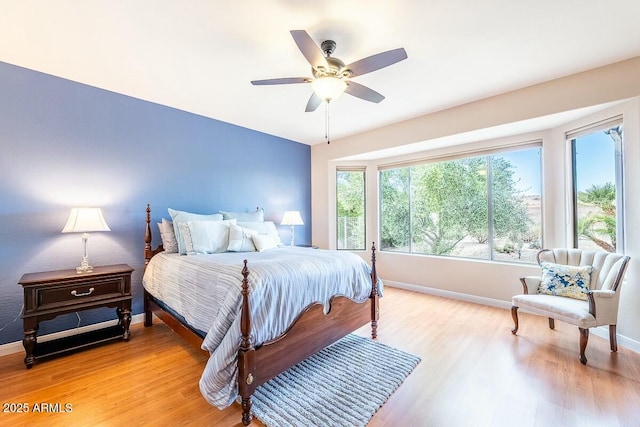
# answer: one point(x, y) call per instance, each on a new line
point(565, 280)
point(183, 217)
point(257, 215)
point(240, 239)
point(263, 242)
point(208, 237)
point(168, 236)
point(266, 227)
point(185, 234)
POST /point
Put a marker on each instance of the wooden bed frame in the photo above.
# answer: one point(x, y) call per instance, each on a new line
point(310, 332)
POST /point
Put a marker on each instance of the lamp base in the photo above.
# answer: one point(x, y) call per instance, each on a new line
point(81, 269)
point(84, 266)
point(293, 237)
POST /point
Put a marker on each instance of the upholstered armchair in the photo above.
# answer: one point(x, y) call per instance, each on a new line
point(579, 287)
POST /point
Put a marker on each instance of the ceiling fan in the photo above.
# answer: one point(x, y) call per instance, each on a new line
point(331, 76)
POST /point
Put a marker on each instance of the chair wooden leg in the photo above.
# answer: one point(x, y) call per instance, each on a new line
point(613, 338)
point(514, 314)
point(584, 338)
point(552, 323)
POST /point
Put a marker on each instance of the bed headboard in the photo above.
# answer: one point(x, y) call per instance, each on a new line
point(149, 252)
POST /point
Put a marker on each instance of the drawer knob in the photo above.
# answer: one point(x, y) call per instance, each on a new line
point(76, 294)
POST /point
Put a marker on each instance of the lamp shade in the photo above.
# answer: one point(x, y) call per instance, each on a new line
point(83, 220)
point(292, 218)
point(328, 88)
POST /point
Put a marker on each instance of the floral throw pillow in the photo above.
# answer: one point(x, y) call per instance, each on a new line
point(565, 280)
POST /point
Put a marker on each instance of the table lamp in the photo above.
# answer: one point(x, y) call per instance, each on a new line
point(85, 220)
point(292, 218)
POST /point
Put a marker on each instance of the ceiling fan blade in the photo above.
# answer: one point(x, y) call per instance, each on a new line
point(309, 49)
point(375, 62)
point(282, 81)
point(313, 103)
point(363, 92)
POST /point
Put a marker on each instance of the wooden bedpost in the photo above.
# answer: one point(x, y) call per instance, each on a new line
point(375, 307)
point(148, 314)
point(148, 252)
point(246, 352)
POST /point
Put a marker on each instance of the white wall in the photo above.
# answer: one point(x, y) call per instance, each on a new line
point(485, 279)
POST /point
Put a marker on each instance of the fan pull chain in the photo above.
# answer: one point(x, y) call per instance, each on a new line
point(326, 123)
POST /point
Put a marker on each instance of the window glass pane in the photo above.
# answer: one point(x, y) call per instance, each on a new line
point(516, 205)
point(395, 226)
point(597, 185)
point(449, 208)
point(350, 196)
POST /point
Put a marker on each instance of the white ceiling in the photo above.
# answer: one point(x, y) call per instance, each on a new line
point(200, 55)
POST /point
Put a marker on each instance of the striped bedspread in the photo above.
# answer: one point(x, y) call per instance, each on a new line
point(205, 290)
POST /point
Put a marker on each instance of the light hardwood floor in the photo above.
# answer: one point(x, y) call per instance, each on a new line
point(474, 372)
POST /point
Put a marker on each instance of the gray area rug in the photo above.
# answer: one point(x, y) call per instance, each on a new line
point(342, 385)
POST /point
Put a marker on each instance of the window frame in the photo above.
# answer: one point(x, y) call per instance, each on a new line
point(363, 171)
point(487, 155)
point(571, 137)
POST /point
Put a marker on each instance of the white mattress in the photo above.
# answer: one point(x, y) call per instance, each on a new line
point(205, 290)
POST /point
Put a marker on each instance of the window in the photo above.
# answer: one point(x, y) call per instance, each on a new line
point(395, 211)
point(486, 207)
point(350, 201)
point(597, 186)
point(516, 178)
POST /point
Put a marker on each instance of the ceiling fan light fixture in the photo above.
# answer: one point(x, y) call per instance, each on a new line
point(328, 88)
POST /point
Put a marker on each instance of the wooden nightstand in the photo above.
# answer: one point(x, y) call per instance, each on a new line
point(49, 294)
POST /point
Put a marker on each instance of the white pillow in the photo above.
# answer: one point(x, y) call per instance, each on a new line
point(257, 215)
point(183, 217)
point(264, 242)
point(240, 239)
point(209, 237)
point(168, 236)
point(266, 227)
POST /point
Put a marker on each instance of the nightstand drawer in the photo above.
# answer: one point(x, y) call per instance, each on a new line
point(66, 294)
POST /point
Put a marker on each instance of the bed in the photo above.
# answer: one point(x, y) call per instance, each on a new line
point(258, 331)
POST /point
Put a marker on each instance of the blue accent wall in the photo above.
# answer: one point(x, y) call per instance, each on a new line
point(65, 144)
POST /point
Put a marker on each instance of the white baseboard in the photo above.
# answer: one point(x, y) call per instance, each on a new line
point(602, 331)
point(450, 294)
point(16, 347)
